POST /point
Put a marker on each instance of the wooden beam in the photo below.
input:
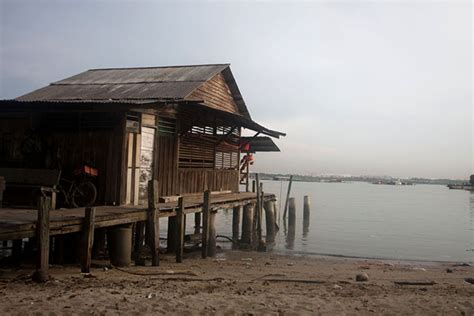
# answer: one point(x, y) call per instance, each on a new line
point(180, 230)
point(87, 239)
point(42, 235)
point(206, 207)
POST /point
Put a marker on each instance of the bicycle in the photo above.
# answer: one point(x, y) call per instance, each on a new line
point(81, 191)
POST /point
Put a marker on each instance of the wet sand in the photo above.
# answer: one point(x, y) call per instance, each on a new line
point(243, 283)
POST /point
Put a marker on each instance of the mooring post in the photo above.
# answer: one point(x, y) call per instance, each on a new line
point(87, 239)
point(253, 186)
point(235, 226)
point(153, 222)
point(212, 241)
point(290, 238)
point(287, 197)
point(180, 225)
point(306, 214)
point(247, 224)
point(206, 207)
point(197, 223)
point(42, 236)
point(270, 222)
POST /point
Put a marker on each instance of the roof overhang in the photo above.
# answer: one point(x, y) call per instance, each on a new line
point(259, 144)
point(236, 119)
point(125, 105)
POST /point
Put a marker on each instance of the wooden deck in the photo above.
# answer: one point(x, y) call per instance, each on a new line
point(21, 223)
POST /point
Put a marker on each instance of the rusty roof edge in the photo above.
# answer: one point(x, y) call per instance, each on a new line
point(155, 67)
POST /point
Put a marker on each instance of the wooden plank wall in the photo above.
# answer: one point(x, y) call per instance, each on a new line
point(199, 180)
point(166, 164)
point(87, 137)
point(216, 94)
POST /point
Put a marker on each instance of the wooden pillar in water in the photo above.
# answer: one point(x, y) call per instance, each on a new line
point(87, 239)
point(180, 230)
point(306, 214)
point(291, 223)
point(235, 226)
point(247, 224)
point(212, 246)
point(206, 207)
point(270, 222)
point(153, 223)
point(285, 209)
point(42, 236)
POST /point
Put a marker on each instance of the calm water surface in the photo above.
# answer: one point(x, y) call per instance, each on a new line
point(420, 222)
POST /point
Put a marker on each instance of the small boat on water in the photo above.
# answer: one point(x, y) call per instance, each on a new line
point(460, 187)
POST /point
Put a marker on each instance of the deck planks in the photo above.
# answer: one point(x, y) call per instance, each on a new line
point(21, 223)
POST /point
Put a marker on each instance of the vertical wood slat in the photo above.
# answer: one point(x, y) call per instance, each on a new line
point(205, 222)
point(180, 231)
point(153, 227)
point(87, 239)
point(42, 235)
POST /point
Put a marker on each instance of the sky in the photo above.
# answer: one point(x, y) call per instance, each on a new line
point(360, 87)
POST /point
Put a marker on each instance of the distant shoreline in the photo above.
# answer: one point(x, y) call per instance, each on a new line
point(368, 179)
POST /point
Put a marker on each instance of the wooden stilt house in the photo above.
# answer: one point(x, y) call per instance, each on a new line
point(181, 125)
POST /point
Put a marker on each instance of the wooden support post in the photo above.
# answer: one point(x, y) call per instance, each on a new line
point(290, 239)
point(42, 235)
point(270, 222)
point(212, 247)
point(206, 208)
point(197, 223)
point(87, 239)
point(180, 231)
point(306, 214)
point(235, 226)
point(287, 198)
point(153, 220)
point(247, 224)
point(253, 186)
point(139, 241)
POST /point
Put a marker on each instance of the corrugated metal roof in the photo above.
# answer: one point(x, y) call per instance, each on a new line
point(156, 83)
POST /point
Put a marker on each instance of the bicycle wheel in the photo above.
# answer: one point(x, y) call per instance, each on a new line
point(84, 194)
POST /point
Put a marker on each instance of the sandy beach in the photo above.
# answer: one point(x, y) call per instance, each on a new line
point(238, 282)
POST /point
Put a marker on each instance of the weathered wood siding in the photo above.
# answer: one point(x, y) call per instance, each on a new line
point(199, 180)
point(93, 138)
point(216, 94)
